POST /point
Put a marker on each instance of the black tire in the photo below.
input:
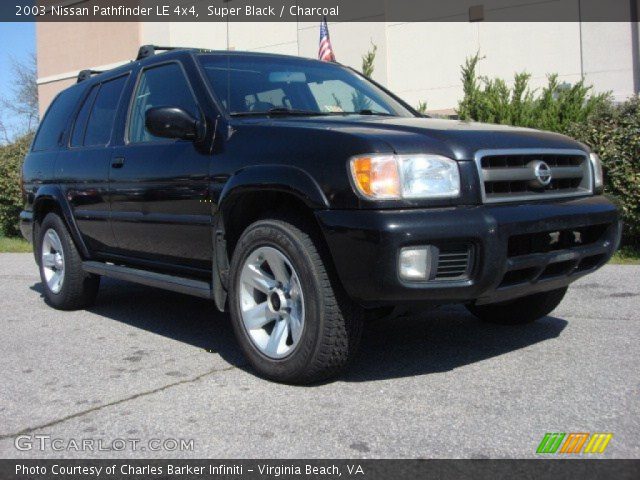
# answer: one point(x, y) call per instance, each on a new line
point(79, 289)
point(521, 310)
point(332, 323)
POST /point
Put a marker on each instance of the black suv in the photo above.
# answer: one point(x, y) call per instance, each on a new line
point(304, 198)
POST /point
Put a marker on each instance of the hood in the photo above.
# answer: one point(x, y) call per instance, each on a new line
point(453, 138)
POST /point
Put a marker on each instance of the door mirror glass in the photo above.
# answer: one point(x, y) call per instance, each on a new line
point(172, 122)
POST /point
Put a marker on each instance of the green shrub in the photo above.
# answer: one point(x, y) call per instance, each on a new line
point(555, 107)
point(613, 132)
point(422, 107)
point(11, 157)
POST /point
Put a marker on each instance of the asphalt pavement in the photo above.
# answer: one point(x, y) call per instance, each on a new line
point(148, 373)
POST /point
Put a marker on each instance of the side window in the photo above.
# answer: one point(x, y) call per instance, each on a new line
point(103, 112)
point(56, 119)
point(80, 125)
point(164, 85)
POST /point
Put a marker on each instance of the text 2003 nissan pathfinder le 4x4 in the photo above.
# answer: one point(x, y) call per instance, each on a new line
point(303, 197)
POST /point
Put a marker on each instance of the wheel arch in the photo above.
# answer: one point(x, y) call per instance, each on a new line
point(49, 199)
point(252, 194)
point(282, 178)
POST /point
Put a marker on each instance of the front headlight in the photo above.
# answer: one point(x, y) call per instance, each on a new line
point(598, 177)
point(394, 177)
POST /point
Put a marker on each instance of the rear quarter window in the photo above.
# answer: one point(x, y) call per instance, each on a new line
point(80, 125)
point(56, 119)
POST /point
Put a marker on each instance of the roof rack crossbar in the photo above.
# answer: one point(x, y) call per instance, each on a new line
point(86, 75)
point(149, 50)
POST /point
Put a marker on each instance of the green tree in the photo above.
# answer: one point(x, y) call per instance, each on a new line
point(11, 202)
point(19, 109)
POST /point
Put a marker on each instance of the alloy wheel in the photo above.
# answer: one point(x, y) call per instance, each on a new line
point(271, 302)
point(53, 260)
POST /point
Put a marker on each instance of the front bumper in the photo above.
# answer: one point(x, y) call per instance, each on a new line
point(365, 245)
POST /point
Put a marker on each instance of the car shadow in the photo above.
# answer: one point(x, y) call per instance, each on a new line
point(419, 344)
point(191, 320)
point(438, 341)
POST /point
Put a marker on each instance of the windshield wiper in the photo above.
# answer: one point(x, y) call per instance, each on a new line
point(278, 111)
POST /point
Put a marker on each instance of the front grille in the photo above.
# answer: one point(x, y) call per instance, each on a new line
point(454, 262)
point(515, 175)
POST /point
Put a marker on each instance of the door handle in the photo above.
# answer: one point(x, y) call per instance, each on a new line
point(117, 162)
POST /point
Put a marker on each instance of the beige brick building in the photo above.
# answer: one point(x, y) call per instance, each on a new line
point(418, 61)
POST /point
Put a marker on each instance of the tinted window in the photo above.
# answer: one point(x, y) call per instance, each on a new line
point(165, 85)
point(77, 137)
point(103, 112)
point(56, 119)
point(254, 85)
point(339, 96)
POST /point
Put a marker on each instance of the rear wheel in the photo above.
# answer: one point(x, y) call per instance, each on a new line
point(292, 321)
point(66, 285)
point(521, 310)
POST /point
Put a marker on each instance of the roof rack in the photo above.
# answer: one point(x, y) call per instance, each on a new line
point(86, 75)
point(150, 50)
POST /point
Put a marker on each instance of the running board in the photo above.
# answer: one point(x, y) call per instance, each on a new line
point(197, 288)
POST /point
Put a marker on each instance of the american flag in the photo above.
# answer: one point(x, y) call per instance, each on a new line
point(325, 53)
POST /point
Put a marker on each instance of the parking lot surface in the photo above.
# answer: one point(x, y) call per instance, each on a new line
point(153, 368)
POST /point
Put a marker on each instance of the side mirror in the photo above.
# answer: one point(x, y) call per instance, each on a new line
point(172, 122)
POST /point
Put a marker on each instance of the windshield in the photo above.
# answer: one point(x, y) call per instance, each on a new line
point(256, 85)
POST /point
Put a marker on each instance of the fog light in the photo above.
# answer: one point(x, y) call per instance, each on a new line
point(415, 263)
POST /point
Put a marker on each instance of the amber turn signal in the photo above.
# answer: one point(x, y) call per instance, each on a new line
point(376, 177)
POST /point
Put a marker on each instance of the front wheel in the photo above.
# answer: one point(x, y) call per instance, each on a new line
point(521, 310)
point(293, 323)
